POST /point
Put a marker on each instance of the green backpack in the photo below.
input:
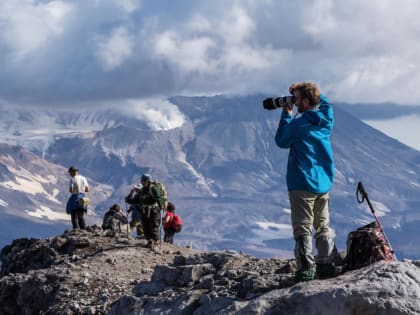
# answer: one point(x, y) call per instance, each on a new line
point(163, 193)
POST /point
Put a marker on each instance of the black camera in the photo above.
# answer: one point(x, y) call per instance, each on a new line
point(273, 103)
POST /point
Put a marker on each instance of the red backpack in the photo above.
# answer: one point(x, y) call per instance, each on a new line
point(367, 245)
point(177, 223)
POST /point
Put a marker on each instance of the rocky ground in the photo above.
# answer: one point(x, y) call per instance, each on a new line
point(80, 272)
point(94, 272)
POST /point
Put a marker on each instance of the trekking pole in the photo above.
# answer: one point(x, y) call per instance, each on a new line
point(126, 214)
point(361, 192)
point(160, 232)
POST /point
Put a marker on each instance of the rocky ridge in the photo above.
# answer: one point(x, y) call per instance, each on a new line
point(79, 272)
point(98, 272)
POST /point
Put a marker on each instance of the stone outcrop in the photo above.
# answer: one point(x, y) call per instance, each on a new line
point(79, 272)
point(98, 272)
point(230, 283)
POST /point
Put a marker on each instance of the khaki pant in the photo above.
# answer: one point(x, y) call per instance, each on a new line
point(309, 211)
point(138, 226)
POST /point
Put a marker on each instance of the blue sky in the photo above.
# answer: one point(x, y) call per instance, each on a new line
point(69, 51)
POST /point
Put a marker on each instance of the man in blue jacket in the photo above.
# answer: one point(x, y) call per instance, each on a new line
point(310, 173)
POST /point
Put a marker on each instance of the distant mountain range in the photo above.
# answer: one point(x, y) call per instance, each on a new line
point(381, 111)
point(222, 169)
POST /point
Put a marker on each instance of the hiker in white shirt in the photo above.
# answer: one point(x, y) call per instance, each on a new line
point(78, 187)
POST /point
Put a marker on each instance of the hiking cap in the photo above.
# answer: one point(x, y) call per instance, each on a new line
point(115, 207)
point(73, 169)
point(170, 207)
point(146, 177)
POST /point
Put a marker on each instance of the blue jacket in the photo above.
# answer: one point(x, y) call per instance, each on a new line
point(311, 164)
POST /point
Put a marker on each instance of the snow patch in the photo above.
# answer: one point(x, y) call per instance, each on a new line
point(19, 127)
point(55, 192)
point(273, 226)
point(271, 230)
point(29, 176)
point(339, 177)
point(29, 187)
point(3, 203)
point(52, 179)
point(45, 212)
point(201, 180)
point(24, 185)
point(380, 208)
point(28, 182)
point(121, 153)
point(396, 225)
point(415, 184)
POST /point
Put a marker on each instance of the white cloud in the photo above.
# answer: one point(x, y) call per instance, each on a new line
point(321, 17)
point(236, 26)
point(188, 54)
point(128, 5)
point(356, 50)
point(114, 49)
point(198, 23)
point(221, 47)
point(247, 59)
point(158, 114)
point(27, 24)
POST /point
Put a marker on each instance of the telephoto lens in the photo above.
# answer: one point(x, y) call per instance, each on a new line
point(273, 103)
point(269, 103)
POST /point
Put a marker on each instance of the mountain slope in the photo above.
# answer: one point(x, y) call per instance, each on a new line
point(33, 195)
point(227, 177)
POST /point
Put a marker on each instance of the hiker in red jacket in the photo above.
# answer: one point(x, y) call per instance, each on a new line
point(168, 224)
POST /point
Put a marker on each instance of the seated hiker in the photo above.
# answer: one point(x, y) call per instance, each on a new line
point(113, 219)
point(171, 223)
point(134, 200)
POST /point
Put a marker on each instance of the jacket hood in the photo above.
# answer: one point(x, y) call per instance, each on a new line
point(315, 117)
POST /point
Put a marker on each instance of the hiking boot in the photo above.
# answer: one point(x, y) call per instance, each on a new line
point(304, 275)
point(325, 271)
point(154, 245)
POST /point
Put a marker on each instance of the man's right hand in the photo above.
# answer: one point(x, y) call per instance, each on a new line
point(292, 88)
point(288, 108)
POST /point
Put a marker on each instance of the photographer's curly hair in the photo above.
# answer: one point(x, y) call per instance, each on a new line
point(310, 91)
